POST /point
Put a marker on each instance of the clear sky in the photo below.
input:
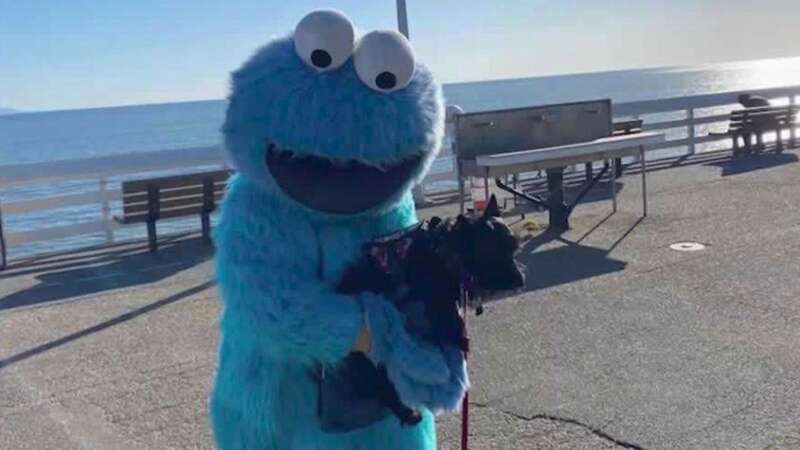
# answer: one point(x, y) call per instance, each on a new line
point(58, 54)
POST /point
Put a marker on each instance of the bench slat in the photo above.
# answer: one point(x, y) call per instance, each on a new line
point(137, 208)
point(195, 210)
point(141, 197)
point(175, 181)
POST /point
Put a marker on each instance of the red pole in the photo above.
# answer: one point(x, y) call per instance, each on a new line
point(465, 423)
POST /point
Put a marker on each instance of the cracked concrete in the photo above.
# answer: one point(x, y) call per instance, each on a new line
point(570, 423)
point(491, 428)
point(596, 431)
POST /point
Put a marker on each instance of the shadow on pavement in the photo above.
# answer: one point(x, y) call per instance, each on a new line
point(115, 271)
point(755, 162)
point(5, 362)
point(599, 192)
point(80, 257)
point(563, 264)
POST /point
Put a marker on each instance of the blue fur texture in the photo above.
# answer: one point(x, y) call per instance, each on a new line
point(278, 262)
point(423, 377)
point(276, 97)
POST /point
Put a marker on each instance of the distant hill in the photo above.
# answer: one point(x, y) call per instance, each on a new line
point(8, 111)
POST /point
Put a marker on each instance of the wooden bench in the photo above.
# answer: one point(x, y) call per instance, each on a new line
point(149, 200)
point(744, 123)
point(624, 127)
point(551, 137)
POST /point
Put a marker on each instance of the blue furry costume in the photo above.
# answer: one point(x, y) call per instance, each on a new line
point(327, 147)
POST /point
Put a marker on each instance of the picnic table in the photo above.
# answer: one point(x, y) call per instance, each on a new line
point(493, 144)
point(554, 160)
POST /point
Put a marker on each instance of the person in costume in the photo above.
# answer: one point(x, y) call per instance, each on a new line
point(328, 132)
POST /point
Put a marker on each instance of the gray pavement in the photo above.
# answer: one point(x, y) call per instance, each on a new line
point(617, 342)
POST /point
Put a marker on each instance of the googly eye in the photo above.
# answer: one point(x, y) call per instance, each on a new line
point(384, 60)
point(324, 39)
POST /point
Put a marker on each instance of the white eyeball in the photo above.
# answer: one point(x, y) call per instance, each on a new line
point(324, 39)
point(384, 60)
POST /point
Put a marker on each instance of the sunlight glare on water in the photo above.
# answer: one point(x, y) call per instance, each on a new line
point(771, 73)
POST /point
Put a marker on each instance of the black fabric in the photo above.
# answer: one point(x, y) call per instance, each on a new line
point(347, 395)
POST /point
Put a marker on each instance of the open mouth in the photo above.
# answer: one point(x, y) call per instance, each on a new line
point(334, 186)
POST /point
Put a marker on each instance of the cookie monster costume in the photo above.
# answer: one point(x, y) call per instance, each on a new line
point(328, 132)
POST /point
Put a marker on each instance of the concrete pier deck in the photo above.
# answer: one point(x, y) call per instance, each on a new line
point(618, 341)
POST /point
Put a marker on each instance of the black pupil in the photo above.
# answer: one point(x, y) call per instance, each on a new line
point(386, 80)
point(321, 58)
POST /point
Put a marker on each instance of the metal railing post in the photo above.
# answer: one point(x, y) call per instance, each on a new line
point(692, 136)
point(637, 158)
point(3, 253)
point(793, 126)
point(106, 209)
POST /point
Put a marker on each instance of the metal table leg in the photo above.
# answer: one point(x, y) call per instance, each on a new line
point(559, 211)
point(614, 186)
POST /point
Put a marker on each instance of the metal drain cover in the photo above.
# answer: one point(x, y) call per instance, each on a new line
point(687, 246)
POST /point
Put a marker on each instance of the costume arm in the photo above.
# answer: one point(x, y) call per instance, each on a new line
point(294, 317)
point(289, 315)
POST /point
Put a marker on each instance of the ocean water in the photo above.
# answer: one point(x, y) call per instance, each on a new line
point(59, 135)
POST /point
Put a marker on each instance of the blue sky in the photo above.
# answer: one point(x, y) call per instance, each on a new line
point(58, 54)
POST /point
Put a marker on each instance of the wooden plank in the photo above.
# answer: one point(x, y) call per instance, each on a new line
point(628, 125)
point(183, 211)
point(174, 181)
point(196, 200)
point(764, 110)
point(141, 197)
point(60, 201)
point(59, 232)
point(685, 142)
point(680, 123)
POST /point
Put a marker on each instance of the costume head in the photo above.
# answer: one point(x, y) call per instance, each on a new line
point(334, 123)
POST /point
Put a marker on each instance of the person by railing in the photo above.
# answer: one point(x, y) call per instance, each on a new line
point(757, 101)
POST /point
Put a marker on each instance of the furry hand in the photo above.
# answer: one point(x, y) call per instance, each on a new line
point(436, 397)
point(392, 347)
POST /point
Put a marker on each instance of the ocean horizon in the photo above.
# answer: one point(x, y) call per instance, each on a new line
point(27, 137)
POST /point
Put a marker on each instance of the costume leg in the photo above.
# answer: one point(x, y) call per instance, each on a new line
point(231, 430)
